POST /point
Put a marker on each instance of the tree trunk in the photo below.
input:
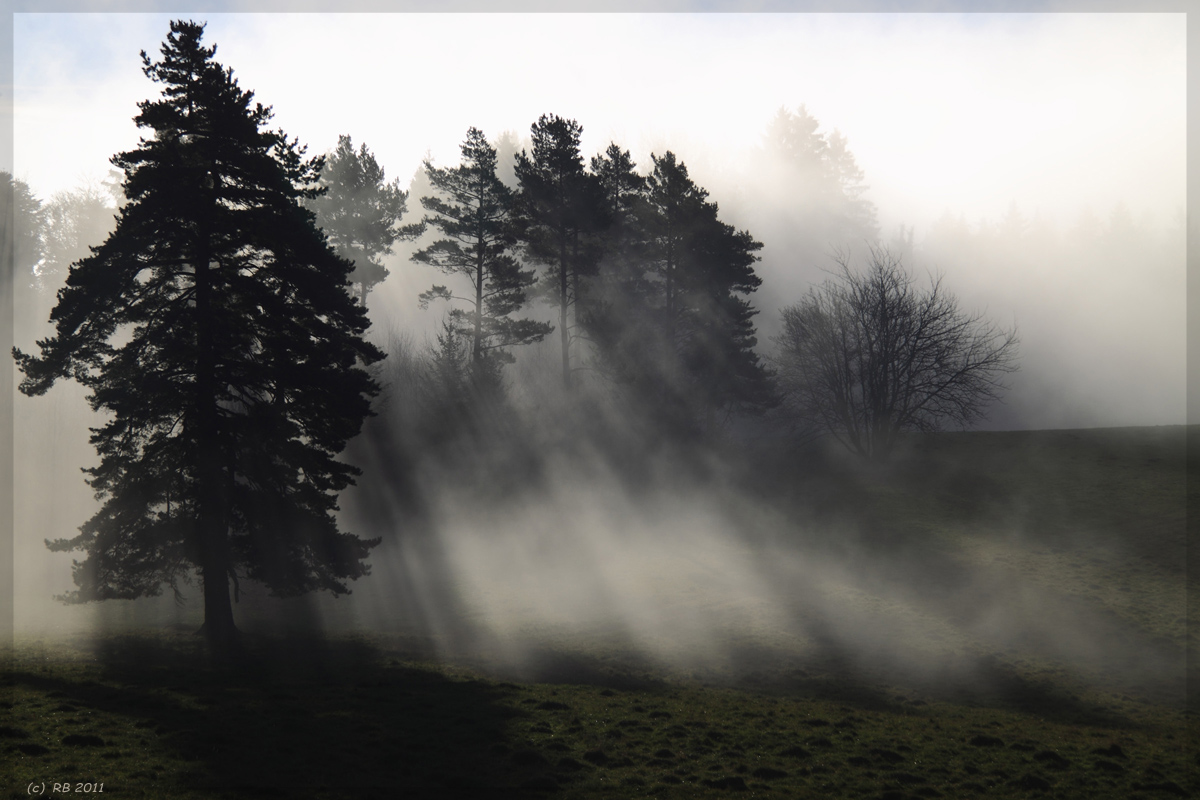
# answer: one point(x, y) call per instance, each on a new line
point(477, 344)
point(219, 631)
point(575, 259)
point(564, 301)
point(211, 512)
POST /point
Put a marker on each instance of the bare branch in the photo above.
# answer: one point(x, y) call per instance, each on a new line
point(868, 355)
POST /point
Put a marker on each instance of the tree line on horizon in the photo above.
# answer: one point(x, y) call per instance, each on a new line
point(648, 285)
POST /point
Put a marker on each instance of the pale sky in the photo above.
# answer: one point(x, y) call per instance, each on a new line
point(945, 112)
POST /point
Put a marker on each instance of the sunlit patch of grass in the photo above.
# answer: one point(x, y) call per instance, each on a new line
point(1084, 526)
point(1131, 587)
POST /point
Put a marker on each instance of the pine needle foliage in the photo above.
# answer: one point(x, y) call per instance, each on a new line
point(216, 333)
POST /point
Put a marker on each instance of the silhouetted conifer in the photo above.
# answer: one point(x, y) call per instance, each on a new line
point(473, 211)
point(215, 330)
point(561, 207)
point(620, 292)
point(680, 328)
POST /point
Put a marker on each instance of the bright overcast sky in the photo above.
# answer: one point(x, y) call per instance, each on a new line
point(956, 112)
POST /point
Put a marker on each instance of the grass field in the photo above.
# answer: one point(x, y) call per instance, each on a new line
point(1015, 628)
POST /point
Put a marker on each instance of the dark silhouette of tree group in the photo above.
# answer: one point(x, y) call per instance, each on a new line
point(649, 286)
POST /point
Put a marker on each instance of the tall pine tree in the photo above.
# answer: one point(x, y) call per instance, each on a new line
point(618, 294)
point(561, 206)
point(686, 340)
point(473, 211)
point(215, 329)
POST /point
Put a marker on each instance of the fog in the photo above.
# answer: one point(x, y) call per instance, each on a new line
point(988, 153)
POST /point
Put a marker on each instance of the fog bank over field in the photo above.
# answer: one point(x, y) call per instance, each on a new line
point(584, 575)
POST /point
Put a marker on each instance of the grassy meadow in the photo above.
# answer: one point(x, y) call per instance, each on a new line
point(1016, 628)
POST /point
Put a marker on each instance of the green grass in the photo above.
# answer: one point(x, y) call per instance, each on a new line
point(1089, 525)
point(350, 715)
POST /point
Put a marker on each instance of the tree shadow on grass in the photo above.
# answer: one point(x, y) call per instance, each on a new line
point(304, 718)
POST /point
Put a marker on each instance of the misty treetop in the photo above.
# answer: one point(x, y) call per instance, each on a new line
point(360, 211)
point(621, 190)
point(820, 178)
point(649, 286)
point(72, 222)
point(25, 213)
point(215, 328)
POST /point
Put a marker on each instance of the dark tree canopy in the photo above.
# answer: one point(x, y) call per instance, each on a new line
point(618, 294)
point(561, 208)
point(215, 330)
point(473, 211)
point(869, 355)
point(678, 326)
point(620, 188)
point(360, 211)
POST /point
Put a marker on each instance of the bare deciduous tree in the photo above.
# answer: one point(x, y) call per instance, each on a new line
point(869, 355)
